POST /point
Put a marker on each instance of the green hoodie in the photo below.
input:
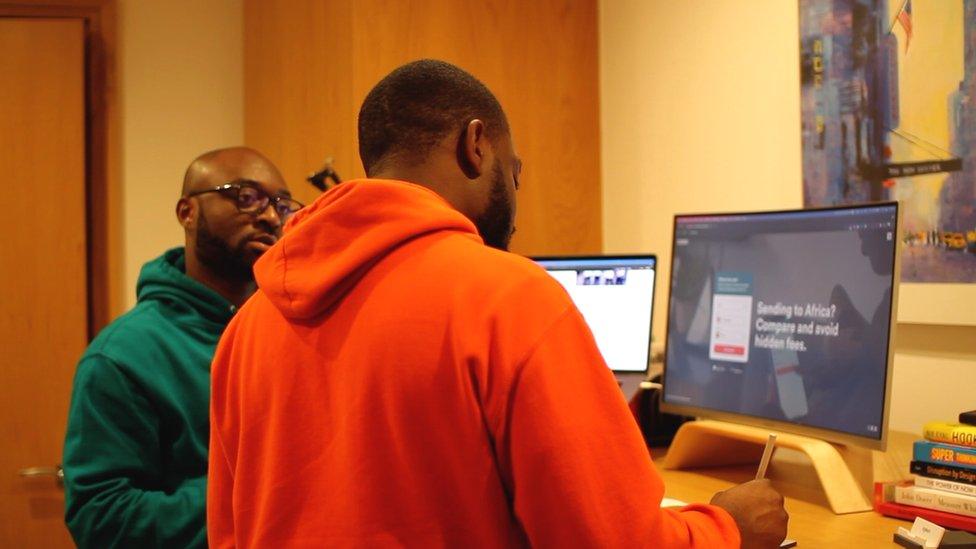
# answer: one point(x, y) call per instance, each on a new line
point(135, 454)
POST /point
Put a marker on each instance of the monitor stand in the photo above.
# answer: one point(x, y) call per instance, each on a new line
point(709, 443)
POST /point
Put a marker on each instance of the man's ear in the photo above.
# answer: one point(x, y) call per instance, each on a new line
point(186, 212)
point(473, 149)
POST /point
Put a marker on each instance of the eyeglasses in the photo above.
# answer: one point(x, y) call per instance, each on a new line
point(250, 199)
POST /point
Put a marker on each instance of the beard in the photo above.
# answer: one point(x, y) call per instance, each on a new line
point(233, 264)
point(495, 224)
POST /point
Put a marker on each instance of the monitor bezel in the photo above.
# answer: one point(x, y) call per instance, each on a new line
point(830, 435)
point(654, 290)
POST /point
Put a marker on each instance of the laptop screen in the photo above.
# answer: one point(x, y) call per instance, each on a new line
point(615, 294)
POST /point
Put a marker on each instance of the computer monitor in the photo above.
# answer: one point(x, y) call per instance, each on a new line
point(783, 320)
point(615, 294)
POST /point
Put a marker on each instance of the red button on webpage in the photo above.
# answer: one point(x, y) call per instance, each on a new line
point(730, 349)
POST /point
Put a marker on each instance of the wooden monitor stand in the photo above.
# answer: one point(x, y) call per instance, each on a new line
point(709, 443)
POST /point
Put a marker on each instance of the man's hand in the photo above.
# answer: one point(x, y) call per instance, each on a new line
point(758, 511)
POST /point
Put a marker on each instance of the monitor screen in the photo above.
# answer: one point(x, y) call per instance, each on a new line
point(615, 294)
point(784, 317)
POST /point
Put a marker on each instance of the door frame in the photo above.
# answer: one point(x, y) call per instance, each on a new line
point(103, 192)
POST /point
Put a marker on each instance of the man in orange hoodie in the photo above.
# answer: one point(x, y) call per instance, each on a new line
point(396, 382)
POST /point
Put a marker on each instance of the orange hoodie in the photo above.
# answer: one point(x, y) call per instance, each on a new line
point(394, 382)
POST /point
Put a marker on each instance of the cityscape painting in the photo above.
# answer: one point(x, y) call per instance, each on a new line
point(888, 105)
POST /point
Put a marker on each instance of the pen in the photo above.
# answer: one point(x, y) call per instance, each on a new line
point(767, 453)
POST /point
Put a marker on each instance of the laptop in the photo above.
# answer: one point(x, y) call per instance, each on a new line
point(615, 294)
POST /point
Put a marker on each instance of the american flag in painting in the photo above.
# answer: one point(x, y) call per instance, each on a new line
point(905, 18)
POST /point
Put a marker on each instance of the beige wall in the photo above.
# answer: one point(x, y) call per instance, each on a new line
point(181, 85)
point(700, 113)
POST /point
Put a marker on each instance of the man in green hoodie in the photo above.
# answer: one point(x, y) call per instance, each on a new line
point(135, 454)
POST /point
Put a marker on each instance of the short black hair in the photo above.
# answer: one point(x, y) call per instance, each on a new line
point(416, 105)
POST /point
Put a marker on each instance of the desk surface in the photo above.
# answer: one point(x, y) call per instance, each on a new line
point(812, 523)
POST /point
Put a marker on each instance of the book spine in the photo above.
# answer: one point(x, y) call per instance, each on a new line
point(951, 433)
point(946, 485)
point(944, 472)
point(936, 452)
point(969, 418)
point(908, 512)
point(936, 499)
point(883, 492)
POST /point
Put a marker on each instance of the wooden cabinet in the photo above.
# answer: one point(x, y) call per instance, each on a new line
point(308, 64)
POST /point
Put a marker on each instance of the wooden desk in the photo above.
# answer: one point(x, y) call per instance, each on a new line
point(812, 523)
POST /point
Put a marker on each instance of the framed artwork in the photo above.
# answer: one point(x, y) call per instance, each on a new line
point(888, 109)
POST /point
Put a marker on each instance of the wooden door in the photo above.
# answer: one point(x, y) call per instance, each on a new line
point(43, 265)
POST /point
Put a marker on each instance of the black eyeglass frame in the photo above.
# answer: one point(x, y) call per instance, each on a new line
point(270, 199)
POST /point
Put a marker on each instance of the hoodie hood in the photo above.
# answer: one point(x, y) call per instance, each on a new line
point(164, 279)
point(332, 243)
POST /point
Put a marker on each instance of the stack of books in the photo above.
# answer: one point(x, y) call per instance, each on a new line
point(944, 488)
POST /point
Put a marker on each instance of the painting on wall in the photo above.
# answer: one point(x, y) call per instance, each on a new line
point(888, 106)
